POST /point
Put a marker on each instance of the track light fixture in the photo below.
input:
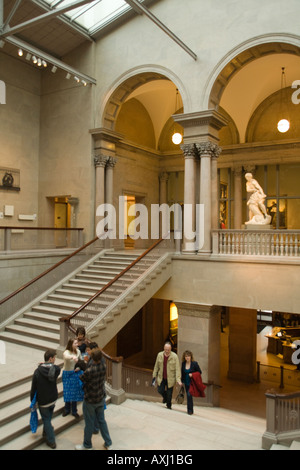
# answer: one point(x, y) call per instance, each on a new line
point(42, 62)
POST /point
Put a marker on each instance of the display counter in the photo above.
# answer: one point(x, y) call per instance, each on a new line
point(280, 341)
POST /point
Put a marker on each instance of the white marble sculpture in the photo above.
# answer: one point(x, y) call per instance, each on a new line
point(257, 210)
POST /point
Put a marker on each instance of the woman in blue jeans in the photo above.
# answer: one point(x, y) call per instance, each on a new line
point(188, 366)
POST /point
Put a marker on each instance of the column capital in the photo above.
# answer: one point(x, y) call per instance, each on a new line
point(208, 149)
point(100, 160)
point(250, 169)
point(111, 162)
point(164, 176)
point(189, 150)
point(197, 310)
point(237, 170)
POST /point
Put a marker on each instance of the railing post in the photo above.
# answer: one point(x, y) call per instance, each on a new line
point(269, 436)
point(116, 392)
point(63, 338)
point(281, 377)
point(258, 372)
point(215, 242)
point(7, 239)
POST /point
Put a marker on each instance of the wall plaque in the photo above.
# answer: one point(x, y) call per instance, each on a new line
point(9, 179)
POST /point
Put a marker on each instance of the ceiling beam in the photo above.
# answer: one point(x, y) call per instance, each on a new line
point(46, 16)
point(49, 59)
point(11, 13)
point(143, 10)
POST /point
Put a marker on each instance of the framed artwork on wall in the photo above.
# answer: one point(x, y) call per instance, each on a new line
point(9, 179)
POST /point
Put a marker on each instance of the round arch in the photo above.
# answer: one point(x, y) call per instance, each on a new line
point(242, 55)
point(127, 83)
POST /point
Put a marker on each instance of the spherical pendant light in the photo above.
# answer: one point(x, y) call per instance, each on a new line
point(283, 125)
point(176, 138)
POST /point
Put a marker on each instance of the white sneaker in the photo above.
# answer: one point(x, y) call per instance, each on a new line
point(81, 447)
point(108, 447)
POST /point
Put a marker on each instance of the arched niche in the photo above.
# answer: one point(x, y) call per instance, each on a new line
point(262, 126)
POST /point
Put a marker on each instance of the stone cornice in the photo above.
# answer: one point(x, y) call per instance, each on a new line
point(209, 117)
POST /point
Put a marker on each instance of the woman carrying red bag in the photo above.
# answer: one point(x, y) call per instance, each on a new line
point(189, 371)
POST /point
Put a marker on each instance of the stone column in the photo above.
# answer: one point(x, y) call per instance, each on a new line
point(201, 129)
point(163, 193)
point(100, 164)
point(199, 332)
point(109, 187)
point(206, 151)
point(189, 214)
point(214, 192)
point(242, 344)
point(237, 171)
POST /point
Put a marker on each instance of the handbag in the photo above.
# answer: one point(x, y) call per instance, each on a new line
point(33, 415)
point(180, 396)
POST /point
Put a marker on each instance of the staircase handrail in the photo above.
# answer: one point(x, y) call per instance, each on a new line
point(68, 318)
point(274, 394)
point(32, 281)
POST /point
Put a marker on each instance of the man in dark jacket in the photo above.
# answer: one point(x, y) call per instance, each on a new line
point(94, 399)
point(44, 382)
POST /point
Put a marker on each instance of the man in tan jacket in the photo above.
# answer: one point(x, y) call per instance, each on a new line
point(167, 372)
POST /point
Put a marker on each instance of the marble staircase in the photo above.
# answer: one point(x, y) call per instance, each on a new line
point(38, 325)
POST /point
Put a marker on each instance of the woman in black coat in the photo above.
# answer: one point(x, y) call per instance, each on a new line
point(188, 366)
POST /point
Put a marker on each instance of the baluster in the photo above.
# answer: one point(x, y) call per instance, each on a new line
point(277, 244)
point(281, 244)
point(238, 243)
point(246, 244)
point(267, 244)
point(296, 245)
point(228, 244)
point(221, 238)
point(272, 244)
point(233, 244)
point(263, 244)
point(291, 243)
point(250, 242)
point(258, 242)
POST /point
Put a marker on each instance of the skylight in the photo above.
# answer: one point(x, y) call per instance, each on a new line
point(95, 14)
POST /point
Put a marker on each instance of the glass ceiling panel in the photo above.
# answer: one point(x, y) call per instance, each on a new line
point(94, 14)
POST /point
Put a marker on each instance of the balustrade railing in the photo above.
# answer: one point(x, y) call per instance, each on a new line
point(39, 238)
point(283, 418)
point(269, 243)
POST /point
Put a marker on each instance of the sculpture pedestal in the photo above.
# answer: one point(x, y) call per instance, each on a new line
point(258, 227)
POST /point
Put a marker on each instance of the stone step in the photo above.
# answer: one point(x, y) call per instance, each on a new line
point(18, 436)
point(42, 325)
point(19, 406)
point(32, 332)
point(40, 316)
point(51, 310)
point(27, 341)
point(68, 297)
point(59, 304)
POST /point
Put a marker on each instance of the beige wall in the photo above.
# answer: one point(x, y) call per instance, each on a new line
point(19, 136)
point(251, 285)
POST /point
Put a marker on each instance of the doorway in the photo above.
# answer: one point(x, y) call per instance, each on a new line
point(61, 220)
point(130, 215)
